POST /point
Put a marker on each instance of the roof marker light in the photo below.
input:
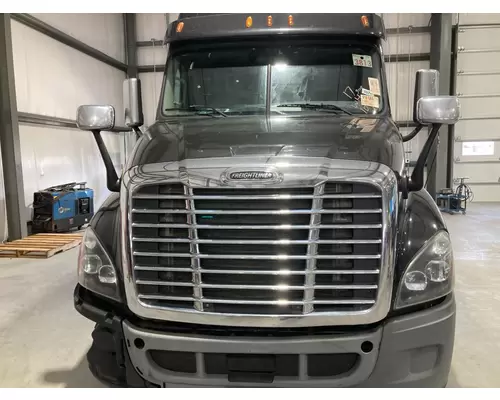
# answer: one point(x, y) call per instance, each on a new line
point(249, 22)
point(269, 20)
point(290, 20)
point(365, 22)
point(180, 27)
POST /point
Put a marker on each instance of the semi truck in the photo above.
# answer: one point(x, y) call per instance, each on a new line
point(265, 230)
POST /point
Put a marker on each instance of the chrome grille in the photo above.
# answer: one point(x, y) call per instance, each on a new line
point(279, 251)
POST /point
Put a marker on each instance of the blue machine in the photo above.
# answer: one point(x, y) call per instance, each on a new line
point(62, 208)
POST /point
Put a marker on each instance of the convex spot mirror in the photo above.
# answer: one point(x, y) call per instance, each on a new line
point(132, 99)
point(95, 117)
point(443, 110)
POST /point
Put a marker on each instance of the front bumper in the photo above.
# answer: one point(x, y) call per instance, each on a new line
point(412, 350)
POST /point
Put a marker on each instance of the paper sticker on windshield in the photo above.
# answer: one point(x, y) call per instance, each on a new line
point(369, 101)
point(366, 92)
point(362, 61)
point(374, 85)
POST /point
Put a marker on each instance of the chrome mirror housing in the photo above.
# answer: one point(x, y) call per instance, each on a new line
point(95, 117)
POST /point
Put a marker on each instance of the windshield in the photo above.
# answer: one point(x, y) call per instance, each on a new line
point(226, 81)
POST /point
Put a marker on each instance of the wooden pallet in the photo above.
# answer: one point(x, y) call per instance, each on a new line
point(42, 245)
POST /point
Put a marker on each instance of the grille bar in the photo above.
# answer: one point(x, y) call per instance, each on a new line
point(258, 272)
point(255, 212)
point(195, 251)
point(264, 227)
point(257, 197)
point(257, 287)
point(252, 302)
point(259, 256)
point(312, 249)
point(229, 241)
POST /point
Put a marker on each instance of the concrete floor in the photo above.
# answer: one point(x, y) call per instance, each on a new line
point(43, 340)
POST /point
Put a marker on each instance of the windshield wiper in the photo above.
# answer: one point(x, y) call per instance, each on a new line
point(312, 106)
point(199, 109)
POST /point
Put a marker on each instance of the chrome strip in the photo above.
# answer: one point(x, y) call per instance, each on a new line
point(254, 212)
point(297, 172)
point(258, 256)
point(258, 272)
point(195, 250)
point(261, 302)
point(257, 197)
point(257, 287)
point(312, 249)
point(285, 227)
point(280, 241)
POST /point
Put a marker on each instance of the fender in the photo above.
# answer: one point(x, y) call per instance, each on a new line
point(419, 220)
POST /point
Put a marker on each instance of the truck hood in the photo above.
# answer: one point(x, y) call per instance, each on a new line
point(320, 135)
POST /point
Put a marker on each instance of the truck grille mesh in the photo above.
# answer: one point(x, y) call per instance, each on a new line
point(257, 251)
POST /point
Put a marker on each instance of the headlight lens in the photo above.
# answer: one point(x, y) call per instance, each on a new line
point(429, 274)
point(96, 272)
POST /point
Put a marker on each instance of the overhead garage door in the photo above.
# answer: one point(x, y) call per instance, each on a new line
point(477, 134)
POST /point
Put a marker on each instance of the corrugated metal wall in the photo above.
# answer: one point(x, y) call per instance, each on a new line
point(477, 135)
point(53, 79)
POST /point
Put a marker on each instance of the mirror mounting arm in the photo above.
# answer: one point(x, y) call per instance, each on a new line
point(414, 133)
point(138, 132)
point(416, 181)
point(112, 181)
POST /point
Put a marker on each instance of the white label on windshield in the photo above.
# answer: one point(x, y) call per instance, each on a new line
point(366, 92)
point(369, 101)
point(374, 85)
point(362, 61)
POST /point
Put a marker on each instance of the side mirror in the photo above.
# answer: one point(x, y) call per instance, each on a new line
point(133, 103)
point(443, 110)
point(95, 118)
point(426, 85)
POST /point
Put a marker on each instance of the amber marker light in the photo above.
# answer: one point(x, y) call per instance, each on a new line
point(365, 22)
point(180, 27)
point(249, 22)
point(290, 20)
point(270, 20)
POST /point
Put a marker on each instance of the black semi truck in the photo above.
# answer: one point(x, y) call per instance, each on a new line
point(265, 231)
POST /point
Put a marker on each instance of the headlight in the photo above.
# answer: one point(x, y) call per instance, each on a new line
point(429, 274)
point(96, 272)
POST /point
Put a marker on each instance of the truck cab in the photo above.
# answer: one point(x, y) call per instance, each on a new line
point(265, 231)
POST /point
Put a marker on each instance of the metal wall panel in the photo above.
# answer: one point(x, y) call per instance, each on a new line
point(478, 85)
point(408, 43)
point(154, 55)
point(478, 129)
point(475, 61)
point(151, 26)
point(53, 79)
point(104, 32)
point(477, 108)
point(406, 19)
point(478, 18)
